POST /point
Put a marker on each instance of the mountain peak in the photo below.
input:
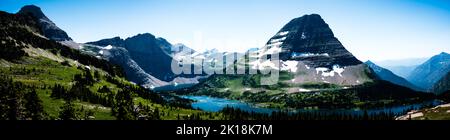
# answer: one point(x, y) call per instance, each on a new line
point(309, 39)
point(369, 62)
point(49, 28)
point(444, 53)
point(33, 10)
point(144, 35)
point(307, 23)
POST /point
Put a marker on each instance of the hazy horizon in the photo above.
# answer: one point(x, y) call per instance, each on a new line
point(371, 30)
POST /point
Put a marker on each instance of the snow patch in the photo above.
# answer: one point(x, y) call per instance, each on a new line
point(283, 33)
point(277, 40)
point(326, 72)
point(321, 69)
point(297, 55)
point(307, 67)
point(272, 50)
point(303, 35)
point(274, 44)
point(303, 90)
point(100, 52)
point(258, 65)
point(108, 47)
point(289, 66)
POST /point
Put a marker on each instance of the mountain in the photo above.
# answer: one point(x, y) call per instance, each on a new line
point(315, 71)
point(402, 67)
point(49, 29)
point(387, 75)
point(442, 85)
point(146, 59)
point(428, 73)
point(310, 39)
point(181, 50)
point(308, 45)
point(150, 53)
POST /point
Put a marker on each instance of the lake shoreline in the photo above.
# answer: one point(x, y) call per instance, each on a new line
point(214, 104)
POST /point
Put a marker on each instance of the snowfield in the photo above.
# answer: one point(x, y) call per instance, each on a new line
point(330, 73)
point(299, 55)
point(289, 66)
point(283, 33)
point(109, 47)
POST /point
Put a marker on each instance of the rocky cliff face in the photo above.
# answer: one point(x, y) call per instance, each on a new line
point(49, 29)
point(310, 39)
point(133, 71)
point(146, 59)
point(148, 52)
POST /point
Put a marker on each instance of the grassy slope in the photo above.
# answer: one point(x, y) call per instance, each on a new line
point(41, 71)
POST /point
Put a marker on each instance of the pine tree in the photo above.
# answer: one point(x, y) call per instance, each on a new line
point(34, 107)
point(69, 111)
point(124, 107)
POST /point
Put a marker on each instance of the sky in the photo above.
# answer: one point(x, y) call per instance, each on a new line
point(374, 30)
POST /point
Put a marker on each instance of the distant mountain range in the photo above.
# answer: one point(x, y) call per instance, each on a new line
point(428, 73)
point(153, 55)
point(306, 45)
point(402, 67)
point(387, 75)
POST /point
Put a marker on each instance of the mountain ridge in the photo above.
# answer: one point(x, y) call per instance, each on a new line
point(432, 70)
point(387, 75)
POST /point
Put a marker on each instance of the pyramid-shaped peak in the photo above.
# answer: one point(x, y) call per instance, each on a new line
point(33, 10)
point(305, 22)
point(309, 39)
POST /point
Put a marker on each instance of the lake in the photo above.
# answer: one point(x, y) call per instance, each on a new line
point(213, 104)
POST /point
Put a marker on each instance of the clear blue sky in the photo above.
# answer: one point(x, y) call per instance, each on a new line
point(370, 29)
